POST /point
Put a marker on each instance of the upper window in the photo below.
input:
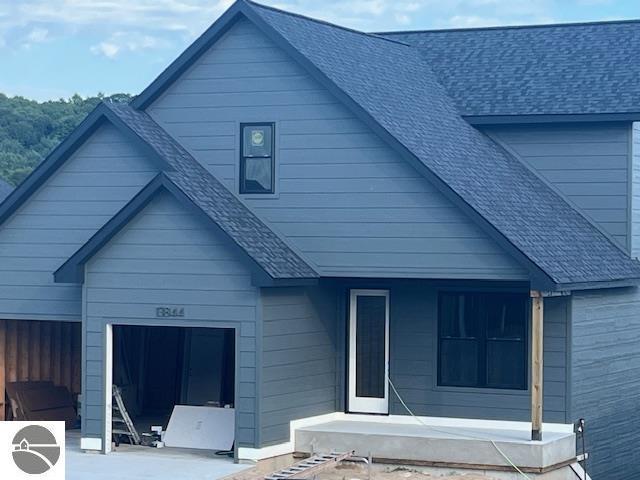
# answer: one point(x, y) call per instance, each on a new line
point(257, 158)
point(482, 340)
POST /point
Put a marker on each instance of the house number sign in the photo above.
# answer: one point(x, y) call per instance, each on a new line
point(169, 312)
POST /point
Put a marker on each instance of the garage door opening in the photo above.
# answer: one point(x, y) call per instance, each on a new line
point(164, 373)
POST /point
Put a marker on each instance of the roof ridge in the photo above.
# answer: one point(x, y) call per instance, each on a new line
point(326, 23)
point(511, 27)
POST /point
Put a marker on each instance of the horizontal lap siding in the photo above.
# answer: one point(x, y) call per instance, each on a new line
point(167, 256)
point(98, 180)
point(606, 379)
point(635, 191)
point(588, 163)
point(299, 358)
point(413, 365)
point(344, 198)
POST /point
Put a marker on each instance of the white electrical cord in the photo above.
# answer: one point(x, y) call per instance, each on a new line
point(447, 432)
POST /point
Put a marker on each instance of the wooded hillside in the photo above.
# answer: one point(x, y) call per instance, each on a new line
point(29, 130)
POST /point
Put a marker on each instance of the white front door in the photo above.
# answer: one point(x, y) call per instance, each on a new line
point(369, 351)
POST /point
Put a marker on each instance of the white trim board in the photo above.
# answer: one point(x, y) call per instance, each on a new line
point(256, 454)
point(87, 443)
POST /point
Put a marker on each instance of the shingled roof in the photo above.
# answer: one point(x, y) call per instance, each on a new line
point(214, 199)
point(392, 85)
point(570, 69)
point(196, 184)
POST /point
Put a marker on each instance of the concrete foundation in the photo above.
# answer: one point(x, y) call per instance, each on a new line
point(440, 446)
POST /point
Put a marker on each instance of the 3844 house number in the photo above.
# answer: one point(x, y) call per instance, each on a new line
point(169, 312)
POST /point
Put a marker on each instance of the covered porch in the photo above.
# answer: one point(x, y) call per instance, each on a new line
point(451, 375)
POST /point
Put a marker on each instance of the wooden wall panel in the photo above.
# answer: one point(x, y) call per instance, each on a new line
point(35, 350)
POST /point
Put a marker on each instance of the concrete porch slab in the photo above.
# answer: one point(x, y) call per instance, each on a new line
point(455, 445)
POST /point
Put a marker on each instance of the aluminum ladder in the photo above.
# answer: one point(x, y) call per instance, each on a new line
point(121, 424)
point(307, 468)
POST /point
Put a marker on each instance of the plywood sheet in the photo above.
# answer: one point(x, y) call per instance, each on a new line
point(207, 428)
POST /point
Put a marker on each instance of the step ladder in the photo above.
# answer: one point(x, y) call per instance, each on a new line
point(309, 467)
point(121, 424)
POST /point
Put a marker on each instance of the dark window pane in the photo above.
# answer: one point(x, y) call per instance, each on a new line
point(506, 316)
point(482, 340)
point(459, 363)
point(257, 141)
point(506, 364)
point(370, 346)
point(257, 175)
point(458, 316)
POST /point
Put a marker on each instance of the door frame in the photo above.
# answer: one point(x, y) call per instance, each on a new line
point(362, 404)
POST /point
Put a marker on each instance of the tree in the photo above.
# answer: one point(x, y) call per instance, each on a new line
point(29, 130)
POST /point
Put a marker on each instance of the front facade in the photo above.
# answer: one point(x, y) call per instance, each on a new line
point(252, 189)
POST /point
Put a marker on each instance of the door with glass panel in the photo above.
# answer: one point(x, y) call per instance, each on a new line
point(369, 351)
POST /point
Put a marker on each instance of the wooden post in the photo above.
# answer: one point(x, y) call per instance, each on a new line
point(537, 319)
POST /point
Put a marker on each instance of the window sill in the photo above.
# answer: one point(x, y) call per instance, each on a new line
point(491, 390)
point(264, 196)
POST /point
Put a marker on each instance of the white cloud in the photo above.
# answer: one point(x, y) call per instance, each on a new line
point(107, 49)
point(38, 35)
point(120, 42)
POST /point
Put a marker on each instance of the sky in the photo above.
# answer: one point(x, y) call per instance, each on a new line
point(51, 49)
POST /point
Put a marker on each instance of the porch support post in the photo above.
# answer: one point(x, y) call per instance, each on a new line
point(537, 317)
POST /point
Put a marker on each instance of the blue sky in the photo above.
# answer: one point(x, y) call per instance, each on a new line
point(54, 48)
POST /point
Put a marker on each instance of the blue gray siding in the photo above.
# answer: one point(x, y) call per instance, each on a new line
point(344, 198)
point(167, 256)
point(413, 365)
point(299, 358)
point(635, 190)
point(589, 163)
point(98, 180)
point(605, 378)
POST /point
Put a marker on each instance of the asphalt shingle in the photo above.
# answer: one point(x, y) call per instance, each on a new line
point(585, 68)
point(265, 247)
point(395, 85)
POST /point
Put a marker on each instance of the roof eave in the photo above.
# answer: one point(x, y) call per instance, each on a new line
point(551, 118)
point(65, 149)
point(595, 285)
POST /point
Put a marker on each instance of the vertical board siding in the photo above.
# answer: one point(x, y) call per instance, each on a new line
point(588, 163)
point(413, 365)
point(25, 348)
point(167, 256)
point(605, 377)
point(635, 190)
point(299, 358)
point(343, 197)
point(98, 180)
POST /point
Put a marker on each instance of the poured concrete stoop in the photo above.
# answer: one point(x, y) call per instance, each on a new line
point(447, 448)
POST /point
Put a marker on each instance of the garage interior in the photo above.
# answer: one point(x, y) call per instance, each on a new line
point(157, 368)
point(42, 354)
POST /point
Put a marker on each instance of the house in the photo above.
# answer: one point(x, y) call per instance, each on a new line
point(343, 228)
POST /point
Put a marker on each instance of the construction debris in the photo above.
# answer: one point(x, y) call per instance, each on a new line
point(41, 401)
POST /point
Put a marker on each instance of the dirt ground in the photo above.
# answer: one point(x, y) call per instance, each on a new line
point(351, 471)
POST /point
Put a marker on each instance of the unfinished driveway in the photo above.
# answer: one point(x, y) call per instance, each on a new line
point(133, 463)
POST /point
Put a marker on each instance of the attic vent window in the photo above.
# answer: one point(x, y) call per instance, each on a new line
point(257, 158)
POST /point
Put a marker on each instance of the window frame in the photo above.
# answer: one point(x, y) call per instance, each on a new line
point(242, 160)
point(483, 342)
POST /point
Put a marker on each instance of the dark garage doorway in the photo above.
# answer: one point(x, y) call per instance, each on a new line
point(157, 368)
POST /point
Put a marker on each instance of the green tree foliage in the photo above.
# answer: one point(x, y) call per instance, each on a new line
point(29, 130)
